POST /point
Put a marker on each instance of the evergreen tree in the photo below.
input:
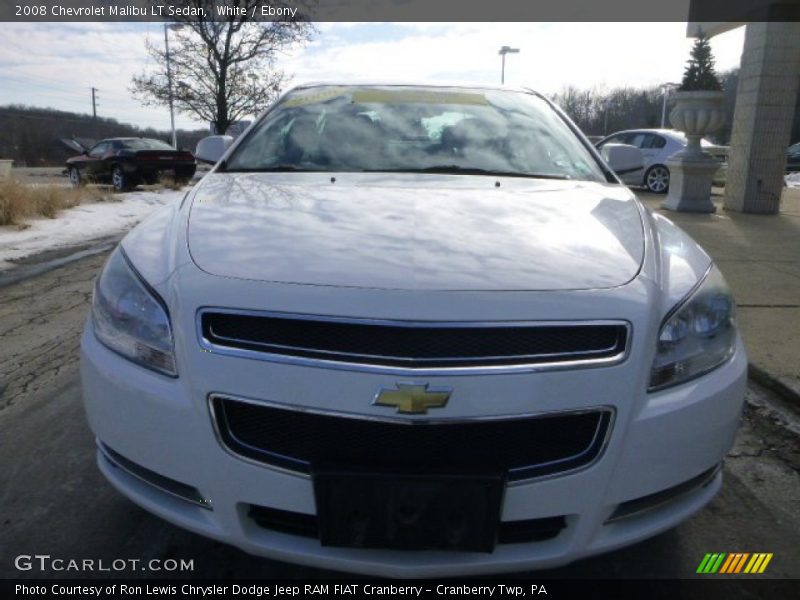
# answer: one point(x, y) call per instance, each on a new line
point(699, 73)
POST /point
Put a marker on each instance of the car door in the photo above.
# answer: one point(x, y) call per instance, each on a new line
point(642, 141)
point(618, 138)
point(635, 139)
point(95, 166)
point(653, 149)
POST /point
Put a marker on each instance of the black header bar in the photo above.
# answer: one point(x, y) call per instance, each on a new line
point(713, 11)
point(496, 588)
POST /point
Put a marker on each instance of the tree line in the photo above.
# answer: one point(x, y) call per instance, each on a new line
point(31, 136)
point(599, 112)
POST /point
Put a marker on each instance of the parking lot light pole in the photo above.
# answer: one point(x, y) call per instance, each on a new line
point(667, 87)
point(173, 27)
point(503, 51)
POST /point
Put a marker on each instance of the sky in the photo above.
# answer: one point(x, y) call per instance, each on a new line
point(56, 64)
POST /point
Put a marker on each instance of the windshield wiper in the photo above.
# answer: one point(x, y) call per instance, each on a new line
point(455, 169)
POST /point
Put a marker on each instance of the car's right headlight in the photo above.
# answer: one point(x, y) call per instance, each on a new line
point(697, 336)
point(130, 318)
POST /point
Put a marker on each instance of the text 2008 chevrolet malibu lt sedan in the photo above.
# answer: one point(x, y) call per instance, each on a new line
point(413, 331)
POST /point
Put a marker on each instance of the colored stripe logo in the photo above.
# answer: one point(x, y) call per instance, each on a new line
point(734, 563)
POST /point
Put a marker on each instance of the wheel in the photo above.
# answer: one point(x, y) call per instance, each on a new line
point(119, 179)
point(656, 179)
point(184, 176)
point(75, 177)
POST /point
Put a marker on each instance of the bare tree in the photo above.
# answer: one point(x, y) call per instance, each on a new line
point(600, 112)
point(222, 70)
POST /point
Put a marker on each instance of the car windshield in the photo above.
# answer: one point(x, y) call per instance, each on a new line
point(146, 144)
point(415, 129)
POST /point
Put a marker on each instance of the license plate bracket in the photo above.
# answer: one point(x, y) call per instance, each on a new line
point(408, 512)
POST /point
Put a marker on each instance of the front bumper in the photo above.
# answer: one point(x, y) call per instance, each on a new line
point(180, 168)
point(658, 441)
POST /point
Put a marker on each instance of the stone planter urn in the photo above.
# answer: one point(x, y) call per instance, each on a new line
point(5, 169)
point(696, 114)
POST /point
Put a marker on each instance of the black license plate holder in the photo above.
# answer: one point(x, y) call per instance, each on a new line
point(408, 512)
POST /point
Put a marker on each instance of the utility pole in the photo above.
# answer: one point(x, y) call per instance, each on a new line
point(667, 88)
point(167, 28)
point(94, 103)
point(503, 51)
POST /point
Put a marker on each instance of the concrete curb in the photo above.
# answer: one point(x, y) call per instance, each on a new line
point(762, 377)
point(37, 264)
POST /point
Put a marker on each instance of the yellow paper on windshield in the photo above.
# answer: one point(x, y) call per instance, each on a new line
point(426, 96)
point(315, 97)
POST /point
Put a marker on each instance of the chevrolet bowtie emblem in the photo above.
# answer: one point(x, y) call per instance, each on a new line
point(412, 398)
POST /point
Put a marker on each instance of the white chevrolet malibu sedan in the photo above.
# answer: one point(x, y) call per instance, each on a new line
point(413, 331)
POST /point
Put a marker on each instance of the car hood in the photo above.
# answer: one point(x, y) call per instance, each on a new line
point(73, 145)
point(416, 232)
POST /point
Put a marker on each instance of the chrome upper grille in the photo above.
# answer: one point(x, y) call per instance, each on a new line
point(408, 345)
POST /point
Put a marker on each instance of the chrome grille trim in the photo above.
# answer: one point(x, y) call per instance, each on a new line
point(610, 411)
point(599, 360)
point(171, 487)
point(652, 502)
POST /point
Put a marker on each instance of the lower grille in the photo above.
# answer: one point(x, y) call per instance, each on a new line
point(303, 525)
point(519, 447)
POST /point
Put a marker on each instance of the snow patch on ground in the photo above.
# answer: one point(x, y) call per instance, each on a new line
point(793, 179)
point(81, 224)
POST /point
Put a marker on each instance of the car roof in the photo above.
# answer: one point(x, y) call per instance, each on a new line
point(127, 139)
point(440, 84)
point(670, 133)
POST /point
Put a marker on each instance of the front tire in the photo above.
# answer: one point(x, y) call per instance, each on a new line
point(656, 179)
point(119, 179)
point(184, 176)
point(75, 178)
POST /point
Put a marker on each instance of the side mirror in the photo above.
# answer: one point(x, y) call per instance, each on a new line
point(623, 158)
point(211, 149)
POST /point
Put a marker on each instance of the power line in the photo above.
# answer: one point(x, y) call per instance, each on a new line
point(58, 88)
point(63, 88)
point(84, 119)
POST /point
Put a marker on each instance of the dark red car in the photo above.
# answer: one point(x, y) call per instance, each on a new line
point(127, 162)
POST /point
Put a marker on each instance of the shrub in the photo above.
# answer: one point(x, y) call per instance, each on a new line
point(19, 201)
point(700, 74)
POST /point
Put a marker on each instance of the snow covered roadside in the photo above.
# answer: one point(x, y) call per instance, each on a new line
point(81, 224)
point(793, 179)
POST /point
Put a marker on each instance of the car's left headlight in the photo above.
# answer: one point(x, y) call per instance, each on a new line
point(697, 336)
point(130, 318)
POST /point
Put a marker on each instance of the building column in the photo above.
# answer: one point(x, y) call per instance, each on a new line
point(762, 121)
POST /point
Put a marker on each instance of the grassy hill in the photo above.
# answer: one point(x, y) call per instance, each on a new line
point(30, 135)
